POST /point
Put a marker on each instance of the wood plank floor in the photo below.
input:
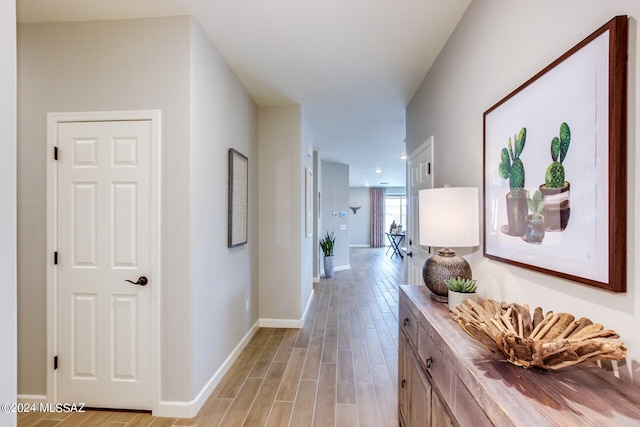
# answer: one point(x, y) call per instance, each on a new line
point(340, 369)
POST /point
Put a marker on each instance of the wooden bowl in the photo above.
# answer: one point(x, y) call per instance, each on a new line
point(552, 341)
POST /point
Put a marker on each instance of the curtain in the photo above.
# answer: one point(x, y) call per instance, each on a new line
point(378, 198)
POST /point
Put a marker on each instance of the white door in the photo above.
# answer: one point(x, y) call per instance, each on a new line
point(103, 238)
point(419, 177)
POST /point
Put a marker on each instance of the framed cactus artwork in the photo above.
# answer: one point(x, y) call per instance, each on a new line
point(555, 193)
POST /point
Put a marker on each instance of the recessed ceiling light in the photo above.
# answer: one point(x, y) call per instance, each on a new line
point(378, 170)
point(403, 157)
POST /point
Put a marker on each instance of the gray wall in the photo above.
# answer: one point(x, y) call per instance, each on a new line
point(307, 244)
point(285, 272)
point(496, 47)
point(360, 223)
point(164, 64)
point(8, 377)
point(334, 187)
point(224, 116)
point(317, 171)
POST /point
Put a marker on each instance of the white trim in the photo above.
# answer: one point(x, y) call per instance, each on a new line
point(281, 323)
point(53, 119)
point(316, 279)
point(306, 309)
point(33, 398)
point(337, 268)
point(359, 246)
point(190, 409)
point(287, 323)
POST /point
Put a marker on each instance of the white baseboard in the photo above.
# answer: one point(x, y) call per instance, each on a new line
point(339, 268)
point(33, 398)
point(316, 279)
point(190, 409)
point(287, 323)
point(281, 323)
point(306, 309)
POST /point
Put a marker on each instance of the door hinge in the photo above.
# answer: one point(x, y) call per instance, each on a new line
point(55, 153)
point(55, 258)
point(55, 362)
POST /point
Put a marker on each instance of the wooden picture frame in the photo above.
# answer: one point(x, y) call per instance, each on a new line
point(238, 198)
point(573, 114)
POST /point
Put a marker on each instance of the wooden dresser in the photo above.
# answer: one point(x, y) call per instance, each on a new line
point(446, 378)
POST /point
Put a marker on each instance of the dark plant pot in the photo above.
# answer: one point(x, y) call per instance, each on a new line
point(328, 266)
point(557, 208)
point(516, 212)
point(535, 230)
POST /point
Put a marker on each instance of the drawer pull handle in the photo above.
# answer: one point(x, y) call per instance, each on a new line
point(404, 382)
point(429, 362)
point(406, 322)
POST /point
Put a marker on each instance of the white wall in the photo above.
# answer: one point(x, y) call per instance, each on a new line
point(360, 222)
point(281, 207)
point(96, 66)
point(8, 225)
point(224, 116)
point(496, 47)
point(335, 199)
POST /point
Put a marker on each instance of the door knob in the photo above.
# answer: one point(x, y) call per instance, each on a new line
point(410, 254)
point(142, 281)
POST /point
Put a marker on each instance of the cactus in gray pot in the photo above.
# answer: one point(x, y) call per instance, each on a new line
point(554, 177)
point(511, 167)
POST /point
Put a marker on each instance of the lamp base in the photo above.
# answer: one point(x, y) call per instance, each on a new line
point(440, 267)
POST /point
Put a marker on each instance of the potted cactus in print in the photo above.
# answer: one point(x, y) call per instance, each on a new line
point(512, 168)
point(556, 189)
point(535, 220)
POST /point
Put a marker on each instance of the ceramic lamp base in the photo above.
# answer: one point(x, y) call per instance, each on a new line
point(440, 267)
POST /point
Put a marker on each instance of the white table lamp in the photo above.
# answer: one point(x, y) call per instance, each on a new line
point(448, 218)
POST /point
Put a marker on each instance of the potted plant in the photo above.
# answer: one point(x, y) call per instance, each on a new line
point(459, 290)
point(555, 190)
point(512, 168)
point(535, 220)
point(326, 244)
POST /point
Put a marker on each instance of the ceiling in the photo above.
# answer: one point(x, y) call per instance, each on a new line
point(352, 65)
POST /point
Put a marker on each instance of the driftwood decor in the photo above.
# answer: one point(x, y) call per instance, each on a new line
point(547, 341)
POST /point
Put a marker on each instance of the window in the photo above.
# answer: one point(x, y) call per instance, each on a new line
point(396, 210)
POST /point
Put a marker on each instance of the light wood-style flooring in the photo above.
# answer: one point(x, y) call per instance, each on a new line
point(340, 369)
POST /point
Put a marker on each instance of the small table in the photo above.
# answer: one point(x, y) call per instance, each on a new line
point(395, 239)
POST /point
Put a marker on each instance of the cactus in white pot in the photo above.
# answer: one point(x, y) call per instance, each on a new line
point(459, 290)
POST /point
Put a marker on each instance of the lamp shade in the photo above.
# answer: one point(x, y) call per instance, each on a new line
point(448, 217)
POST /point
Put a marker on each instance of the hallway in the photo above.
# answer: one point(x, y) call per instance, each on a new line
point(340, 369)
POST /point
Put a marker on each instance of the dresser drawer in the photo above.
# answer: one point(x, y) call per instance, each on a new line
point(408, 323)
point(436, 365)
point(467, 410)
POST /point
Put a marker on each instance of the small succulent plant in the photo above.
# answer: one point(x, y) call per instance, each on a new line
point(511, 167)
point(536, 205)
point(458, 284)
point(554, 177)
